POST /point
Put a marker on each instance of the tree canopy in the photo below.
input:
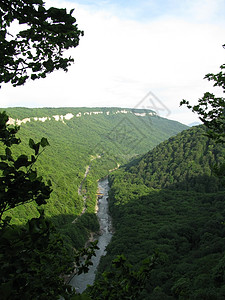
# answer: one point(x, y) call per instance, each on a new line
point(19, 182)
point(33, 40)
point(211, 109)
point(35, 50)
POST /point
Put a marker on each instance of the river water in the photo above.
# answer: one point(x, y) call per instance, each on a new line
point(80, 282)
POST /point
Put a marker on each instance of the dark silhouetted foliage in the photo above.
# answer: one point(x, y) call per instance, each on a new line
point(38, 46)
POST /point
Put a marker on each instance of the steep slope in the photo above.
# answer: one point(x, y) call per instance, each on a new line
point(79, 137)
point(127, 131)
point(182, 162)
point(168, 202)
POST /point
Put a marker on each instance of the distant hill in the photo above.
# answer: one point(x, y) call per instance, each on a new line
point(132, 131)
point(194, 124)
point(101, 137)
point(169, 202)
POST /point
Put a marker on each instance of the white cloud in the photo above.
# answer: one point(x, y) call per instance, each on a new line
point(118, 61)
point(206, 9)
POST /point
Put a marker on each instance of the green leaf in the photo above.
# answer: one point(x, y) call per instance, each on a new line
point(3, 157)
point(36, 148)
point(31, 143)
point(33, 175)
point(33, 76)
point(8, 152)
point(44, 142)
point(22, 161)
point(3, 165)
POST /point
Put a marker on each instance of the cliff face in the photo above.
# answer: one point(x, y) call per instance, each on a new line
point(79, 114)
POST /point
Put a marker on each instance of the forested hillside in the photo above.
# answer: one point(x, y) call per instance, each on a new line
point(169, 202)
point(183, 162)
point(101, 138)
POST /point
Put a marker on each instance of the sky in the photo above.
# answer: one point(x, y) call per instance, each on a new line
point(134, 54)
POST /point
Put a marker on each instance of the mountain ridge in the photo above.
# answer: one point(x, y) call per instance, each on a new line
point(69, 115)
point(48, 111)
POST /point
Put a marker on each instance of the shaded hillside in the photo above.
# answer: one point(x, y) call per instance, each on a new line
point(156, 210)
point(184, 162)
point(79, 137)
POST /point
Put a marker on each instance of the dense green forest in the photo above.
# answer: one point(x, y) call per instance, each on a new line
point(85, 139)
point(170, 202)
point(167, 205)
point(183, 162)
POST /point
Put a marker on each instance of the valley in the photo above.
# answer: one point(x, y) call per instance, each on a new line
point(170, 202)
point(111, 203)
point(80, 282)
point(165, 198)
point(110, 135)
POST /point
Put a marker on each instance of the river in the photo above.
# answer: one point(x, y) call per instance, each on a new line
point(80, 282)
